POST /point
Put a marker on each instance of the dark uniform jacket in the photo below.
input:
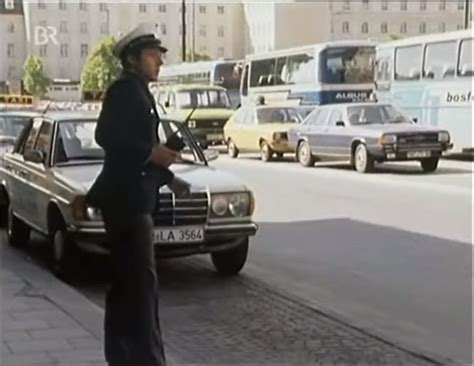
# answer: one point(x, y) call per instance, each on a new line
point(127, 131)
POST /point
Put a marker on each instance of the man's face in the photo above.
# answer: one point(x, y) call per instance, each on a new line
point(150, 63)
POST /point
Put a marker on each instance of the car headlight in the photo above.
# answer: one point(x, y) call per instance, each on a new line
point(443, 136)
point(93, 214)
point(232, 204)
point(192, 124)
point(388, 139)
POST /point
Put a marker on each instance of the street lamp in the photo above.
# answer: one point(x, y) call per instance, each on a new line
point(183, 20)
point(466, 14)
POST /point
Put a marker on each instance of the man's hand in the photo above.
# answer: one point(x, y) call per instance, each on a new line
point(162, 156)
point(180, 187)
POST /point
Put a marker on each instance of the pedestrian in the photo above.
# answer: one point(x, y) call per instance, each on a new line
point(126, 191)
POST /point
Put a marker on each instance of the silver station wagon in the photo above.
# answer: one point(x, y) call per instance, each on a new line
point(44, 180)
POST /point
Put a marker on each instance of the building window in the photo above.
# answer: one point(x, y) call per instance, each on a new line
point(84, 50)
point(346, 5)
point(220, 52)
point(220, 32)
point(9, 4)
point(345, 27)
point(163, 29)
point(440, 61)
point(202, 9)
point(83, 28)
point(365, 4)
point(11, 28)
point(142, 8)
point(103, 7)
point(423, 28)
point(365, 28)
point(162, 8)
point(83, 6)
point(404, 5)
point(43, 50)
point(384, 4)
point(461, 4)
point(384, 28)
point(64, 50)
point(11, 71)
point(62, 5)
point(442, 4)
point(423, 5)
point(202, 31)
point(220, 9)
point(63, 27)
point(11, 50)
point(41, 4)
point(442, 27)
point(403, 28)
point(104, 28)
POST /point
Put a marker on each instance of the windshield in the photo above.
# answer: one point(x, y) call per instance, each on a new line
point(282, 115)
point(228, 75)
point(11, 127)
point(347, 65)
point(371, 114)
point(76, 142)
point(203, 99)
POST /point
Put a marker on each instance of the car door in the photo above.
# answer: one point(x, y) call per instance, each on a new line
point(233, 128)
point(336, 138)
point(21, 188)
point(315, 132)
point(250, 131)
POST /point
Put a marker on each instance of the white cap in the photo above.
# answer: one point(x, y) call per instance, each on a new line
point(144, 35)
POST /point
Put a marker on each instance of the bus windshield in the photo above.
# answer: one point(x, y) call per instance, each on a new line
point(347, 65)
point(203, 99)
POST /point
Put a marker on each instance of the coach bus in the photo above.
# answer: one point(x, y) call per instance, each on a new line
point(430, 78)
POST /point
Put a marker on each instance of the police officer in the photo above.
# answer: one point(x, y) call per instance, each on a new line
point(126, 191)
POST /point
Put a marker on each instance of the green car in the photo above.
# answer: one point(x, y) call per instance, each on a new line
point(205, 108)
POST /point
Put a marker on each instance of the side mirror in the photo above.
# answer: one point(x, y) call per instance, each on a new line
point(211, 155)
point(340, 124)
point(167, 104)
point(34, 156)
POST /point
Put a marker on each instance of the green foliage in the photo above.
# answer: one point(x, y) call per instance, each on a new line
point(35, 80)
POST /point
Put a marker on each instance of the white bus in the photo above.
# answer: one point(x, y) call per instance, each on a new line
point(334, 72)
point(225, 73)
point(430, 78)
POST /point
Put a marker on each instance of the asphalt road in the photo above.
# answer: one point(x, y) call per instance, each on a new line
point(390, 252)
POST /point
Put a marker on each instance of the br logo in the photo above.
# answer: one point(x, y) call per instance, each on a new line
point(45, 34)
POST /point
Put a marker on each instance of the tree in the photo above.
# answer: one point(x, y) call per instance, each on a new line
point(197, 56)
point(35, 80)
point(101, 66)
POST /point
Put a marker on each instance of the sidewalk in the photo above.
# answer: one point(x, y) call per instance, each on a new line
point(43, 321)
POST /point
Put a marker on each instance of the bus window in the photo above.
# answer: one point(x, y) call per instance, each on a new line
point(301, 69)
point(261, 72)
point(408, 63)
point(465, 59)
point(440, 60)
point(281, 72)
point(347, 65)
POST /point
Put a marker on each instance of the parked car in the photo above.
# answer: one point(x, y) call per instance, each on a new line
point(43, 184)
point(262, 128)
point(11, 124)
point(206, 109)
point(366, 133)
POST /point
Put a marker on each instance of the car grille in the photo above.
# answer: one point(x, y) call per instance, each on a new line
point(174, 211)
point(418, 138)
point(210, 123)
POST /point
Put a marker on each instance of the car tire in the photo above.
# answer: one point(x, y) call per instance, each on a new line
point(231, 261)
point(266, 152)
point(304, 155)
point(17, 231)
point(429, 165)
point(65, 254)
point(232, 149)
point(363, 161)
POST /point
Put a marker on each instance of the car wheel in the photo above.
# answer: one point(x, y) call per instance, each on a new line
point(266, 152)
point(363, 162)
point(429, 165)
point(65, 256)
point(18, 232)
point(230, 262)
point(304, 155)
point(232, 149)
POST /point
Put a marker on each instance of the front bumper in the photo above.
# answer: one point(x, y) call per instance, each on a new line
point(209, 135)
point(216, 238)
point(407, 152)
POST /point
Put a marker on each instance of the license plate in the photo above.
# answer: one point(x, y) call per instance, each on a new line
point(419, 154)
point(217, 136)
point(179, 235)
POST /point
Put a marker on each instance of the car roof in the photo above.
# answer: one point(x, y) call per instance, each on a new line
point(196, 86)
point(358, 104)
point(71, 115)
point(282, 105)
point(13, 113)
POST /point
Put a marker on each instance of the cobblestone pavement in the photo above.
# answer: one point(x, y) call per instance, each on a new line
point(211, 320)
